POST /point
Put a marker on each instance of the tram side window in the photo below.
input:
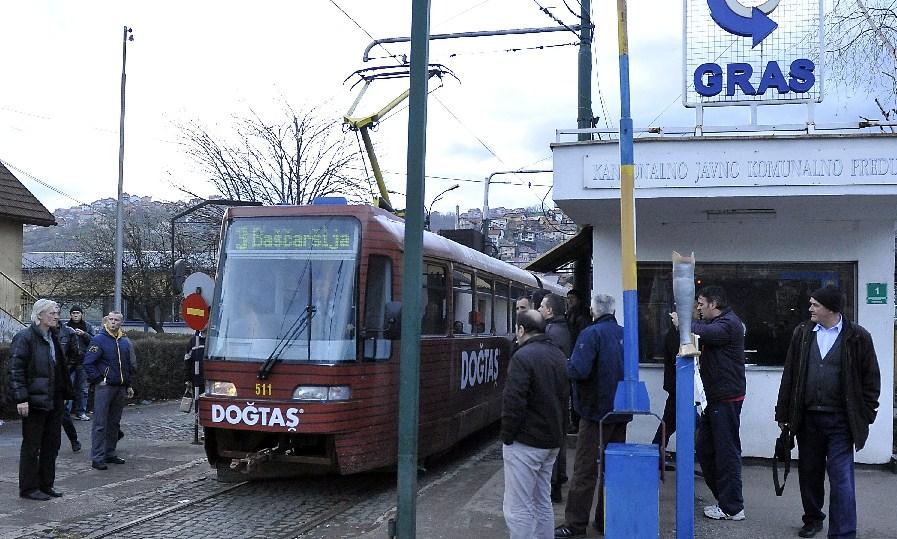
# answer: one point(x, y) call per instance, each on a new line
point(484, 306)
point(517, 292)
point(434, 301)
point(462, 294)
point(502, 306)
point(378, 293)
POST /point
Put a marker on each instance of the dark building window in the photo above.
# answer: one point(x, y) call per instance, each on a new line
point(770, 298)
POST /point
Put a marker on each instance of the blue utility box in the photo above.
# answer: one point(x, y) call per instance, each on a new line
point(632, 491)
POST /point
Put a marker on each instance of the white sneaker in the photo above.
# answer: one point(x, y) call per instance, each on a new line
point(714, 512)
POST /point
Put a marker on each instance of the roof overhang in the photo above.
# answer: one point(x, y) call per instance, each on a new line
point(564, 253)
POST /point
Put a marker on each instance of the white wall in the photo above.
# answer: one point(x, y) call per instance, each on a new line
point(811, 237)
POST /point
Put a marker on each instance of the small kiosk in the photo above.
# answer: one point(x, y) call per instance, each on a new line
point(770, 218)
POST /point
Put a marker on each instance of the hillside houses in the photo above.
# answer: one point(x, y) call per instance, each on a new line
point(521, 235)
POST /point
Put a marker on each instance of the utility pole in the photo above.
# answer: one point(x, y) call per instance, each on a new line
point(119, 220)
point(584, 109)
point(412, 280)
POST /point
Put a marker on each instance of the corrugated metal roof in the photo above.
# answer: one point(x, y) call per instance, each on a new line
point(18, 204)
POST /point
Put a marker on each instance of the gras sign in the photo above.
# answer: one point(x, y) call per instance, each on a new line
point(741, 52)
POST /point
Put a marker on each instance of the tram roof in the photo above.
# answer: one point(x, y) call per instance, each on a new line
point(434, 245)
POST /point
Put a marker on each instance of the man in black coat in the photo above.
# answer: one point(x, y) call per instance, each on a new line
point(84, 332)
point(534, 405)
point(828, 398)
point(553, 309)
point(39, 384)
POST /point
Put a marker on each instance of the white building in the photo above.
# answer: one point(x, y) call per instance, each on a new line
point(770, 218)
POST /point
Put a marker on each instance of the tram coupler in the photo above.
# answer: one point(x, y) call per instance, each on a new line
point(250, 463)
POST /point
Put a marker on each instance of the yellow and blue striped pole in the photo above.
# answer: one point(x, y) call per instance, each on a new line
point(632, 395)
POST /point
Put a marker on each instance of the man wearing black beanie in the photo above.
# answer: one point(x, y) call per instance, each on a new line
point(84, 331)
point(828, 398)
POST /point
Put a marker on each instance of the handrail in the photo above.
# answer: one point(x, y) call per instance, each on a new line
point(17, 285)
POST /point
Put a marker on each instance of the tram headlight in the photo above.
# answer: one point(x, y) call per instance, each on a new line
point(220, 388)
point(322, 393)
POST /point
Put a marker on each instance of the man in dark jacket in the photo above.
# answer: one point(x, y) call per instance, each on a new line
point(68, 339)
point(39, 385)
point(828, 398)
point(532, 428)
point(109, 366)
point(718, 445)
point(553, 308)
point(84, 332)
point(596, 366)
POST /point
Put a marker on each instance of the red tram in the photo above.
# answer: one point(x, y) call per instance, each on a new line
point(301, 375)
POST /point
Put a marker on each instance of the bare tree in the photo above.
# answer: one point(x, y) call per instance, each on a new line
point(290, 162)
point(86, 276)
point(862, 35)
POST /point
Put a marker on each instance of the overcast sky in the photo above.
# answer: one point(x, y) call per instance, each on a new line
point(206, 61)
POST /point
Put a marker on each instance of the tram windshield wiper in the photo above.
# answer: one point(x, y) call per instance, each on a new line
point(301, 324)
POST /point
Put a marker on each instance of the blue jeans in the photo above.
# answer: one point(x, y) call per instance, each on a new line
point(79, 384)
point(108, 403)
point(719, 451)
point(826, 445)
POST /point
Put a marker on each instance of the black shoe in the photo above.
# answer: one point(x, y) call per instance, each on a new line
point(562, 532)
point(811, 529)
point(98, 466)
point(35, 495)
point(76, 446)
point(115, 460)
point(51, 492)
point(121, 434)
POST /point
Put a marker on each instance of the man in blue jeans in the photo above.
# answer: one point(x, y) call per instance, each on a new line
point(828, 398)
point(722, 372)
point(78, 407)
point(109, 368)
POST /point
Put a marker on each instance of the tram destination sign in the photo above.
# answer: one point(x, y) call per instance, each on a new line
point(293, 234)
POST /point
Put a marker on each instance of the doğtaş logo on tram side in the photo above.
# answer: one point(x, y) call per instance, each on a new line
point(753, 22)
point(479, 367)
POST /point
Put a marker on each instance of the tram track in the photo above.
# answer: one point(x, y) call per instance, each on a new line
point(301, 505)
point(163, 512)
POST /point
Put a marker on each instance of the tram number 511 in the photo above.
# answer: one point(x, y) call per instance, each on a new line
point(263, 390)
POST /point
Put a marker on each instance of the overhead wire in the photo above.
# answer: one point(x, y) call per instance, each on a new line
point(441, 103)
point(556, 19)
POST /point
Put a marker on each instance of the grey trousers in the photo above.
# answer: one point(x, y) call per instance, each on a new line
point(527, 501)
point(108, 403)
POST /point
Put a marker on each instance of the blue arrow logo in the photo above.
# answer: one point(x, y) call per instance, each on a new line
point(742, 21)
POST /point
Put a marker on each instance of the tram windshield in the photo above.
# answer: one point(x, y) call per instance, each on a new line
point(286, 290)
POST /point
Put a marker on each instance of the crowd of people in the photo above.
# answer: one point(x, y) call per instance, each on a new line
point(828, 397)
point(51, 367)
point(562, 379)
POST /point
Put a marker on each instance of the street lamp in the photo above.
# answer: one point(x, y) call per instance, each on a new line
point(119, 222)
point(435, 199)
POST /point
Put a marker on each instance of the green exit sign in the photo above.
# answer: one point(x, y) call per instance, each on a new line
point(876, 293)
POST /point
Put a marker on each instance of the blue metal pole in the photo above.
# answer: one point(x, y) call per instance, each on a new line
point(631, 395)
point(409, 366)
point(685, 447)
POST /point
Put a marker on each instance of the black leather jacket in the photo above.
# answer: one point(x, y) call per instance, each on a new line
point(33, 377)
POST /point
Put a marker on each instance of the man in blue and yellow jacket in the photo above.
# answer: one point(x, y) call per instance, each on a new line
point(109, 368)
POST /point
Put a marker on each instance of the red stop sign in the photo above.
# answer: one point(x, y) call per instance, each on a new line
point(195, 312)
